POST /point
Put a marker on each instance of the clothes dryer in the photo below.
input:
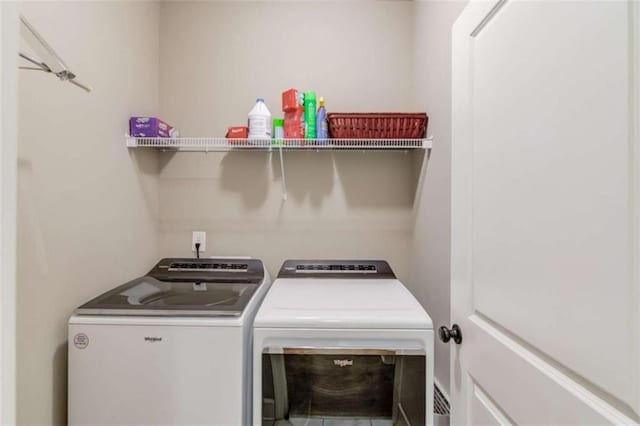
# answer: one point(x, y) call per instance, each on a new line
point(341, 342)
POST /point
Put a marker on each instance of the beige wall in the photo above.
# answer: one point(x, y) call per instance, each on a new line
point(87, 207)
point(85, 202)
point(395, 56)
point(430, 247)
point(217, 57)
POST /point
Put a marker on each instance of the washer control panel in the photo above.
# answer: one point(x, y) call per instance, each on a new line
point(209, 270)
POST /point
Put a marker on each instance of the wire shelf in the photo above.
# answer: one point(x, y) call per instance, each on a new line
point(224, 144)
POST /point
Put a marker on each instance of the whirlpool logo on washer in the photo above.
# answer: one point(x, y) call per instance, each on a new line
point(152, 339)
point(81, 341)
point(343, 362)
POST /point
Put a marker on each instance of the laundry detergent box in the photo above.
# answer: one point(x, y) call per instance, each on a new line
point(237, 132)
point(290, 100)
point(149, 127)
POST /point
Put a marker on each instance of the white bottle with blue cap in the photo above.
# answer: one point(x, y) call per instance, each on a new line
point(260, 121)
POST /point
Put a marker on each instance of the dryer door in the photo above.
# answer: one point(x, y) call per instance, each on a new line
point(321, 385)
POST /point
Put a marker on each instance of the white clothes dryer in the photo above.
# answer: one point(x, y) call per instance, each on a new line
point(341, 342)
point(170, 348)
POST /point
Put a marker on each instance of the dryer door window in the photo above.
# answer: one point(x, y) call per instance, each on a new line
point(365, 386)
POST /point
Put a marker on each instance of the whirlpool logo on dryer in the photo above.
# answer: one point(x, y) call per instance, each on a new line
point(152, 339)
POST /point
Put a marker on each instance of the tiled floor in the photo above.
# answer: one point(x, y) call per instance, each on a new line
point(338, 421)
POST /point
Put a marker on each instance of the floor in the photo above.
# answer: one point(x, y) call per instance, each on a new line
point(337, 421)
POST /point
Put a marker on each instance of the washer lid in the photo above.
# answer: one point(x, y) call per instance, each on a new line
point(150, 296)
point(184, 287)
point(341, 303)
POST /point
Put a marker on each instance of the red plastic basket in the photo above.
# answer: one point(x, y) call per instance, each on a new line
point(377, 125)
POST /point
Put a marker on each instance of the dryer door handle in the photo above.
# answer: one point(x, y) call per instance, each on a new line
point(337, 350)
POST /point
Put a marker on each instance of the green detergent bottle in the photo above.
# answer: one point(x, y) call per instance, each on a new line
point(310, 114)
point(278, 131)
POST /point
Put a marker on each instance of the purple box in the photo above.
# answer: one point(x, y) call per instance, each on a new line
point(149, 127)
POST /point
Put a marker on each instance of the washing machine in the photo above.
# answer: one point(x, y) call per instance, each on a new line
point(341, 343)
point(170, 348)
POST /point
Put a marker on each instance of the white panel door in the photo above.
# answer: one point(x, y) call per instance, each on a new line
point(546, 213)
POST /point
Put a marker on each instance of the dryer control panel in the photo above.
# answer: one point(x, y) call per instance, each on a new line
point(370, 269)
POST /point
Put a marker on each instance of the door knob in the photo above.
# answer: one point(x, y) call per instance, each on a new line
point(447, 334)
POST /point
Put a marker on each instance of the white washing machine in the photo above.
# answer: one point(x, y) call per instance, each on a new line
point(170, 348)
point(341, 343)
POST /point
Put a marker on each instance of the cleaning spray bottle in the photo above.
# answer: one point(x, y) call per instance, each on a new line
point(322, 125)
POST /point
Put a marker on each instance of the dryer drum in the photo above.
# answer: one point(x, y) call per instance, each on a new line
point(347, 385)
point(340, 386)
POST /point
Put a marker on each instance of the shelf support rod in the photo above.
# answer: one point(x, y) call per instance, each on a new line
point(284, 181)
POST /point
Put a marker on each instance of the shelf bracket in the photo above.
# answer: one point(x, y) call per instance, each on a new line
point(284, 180)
